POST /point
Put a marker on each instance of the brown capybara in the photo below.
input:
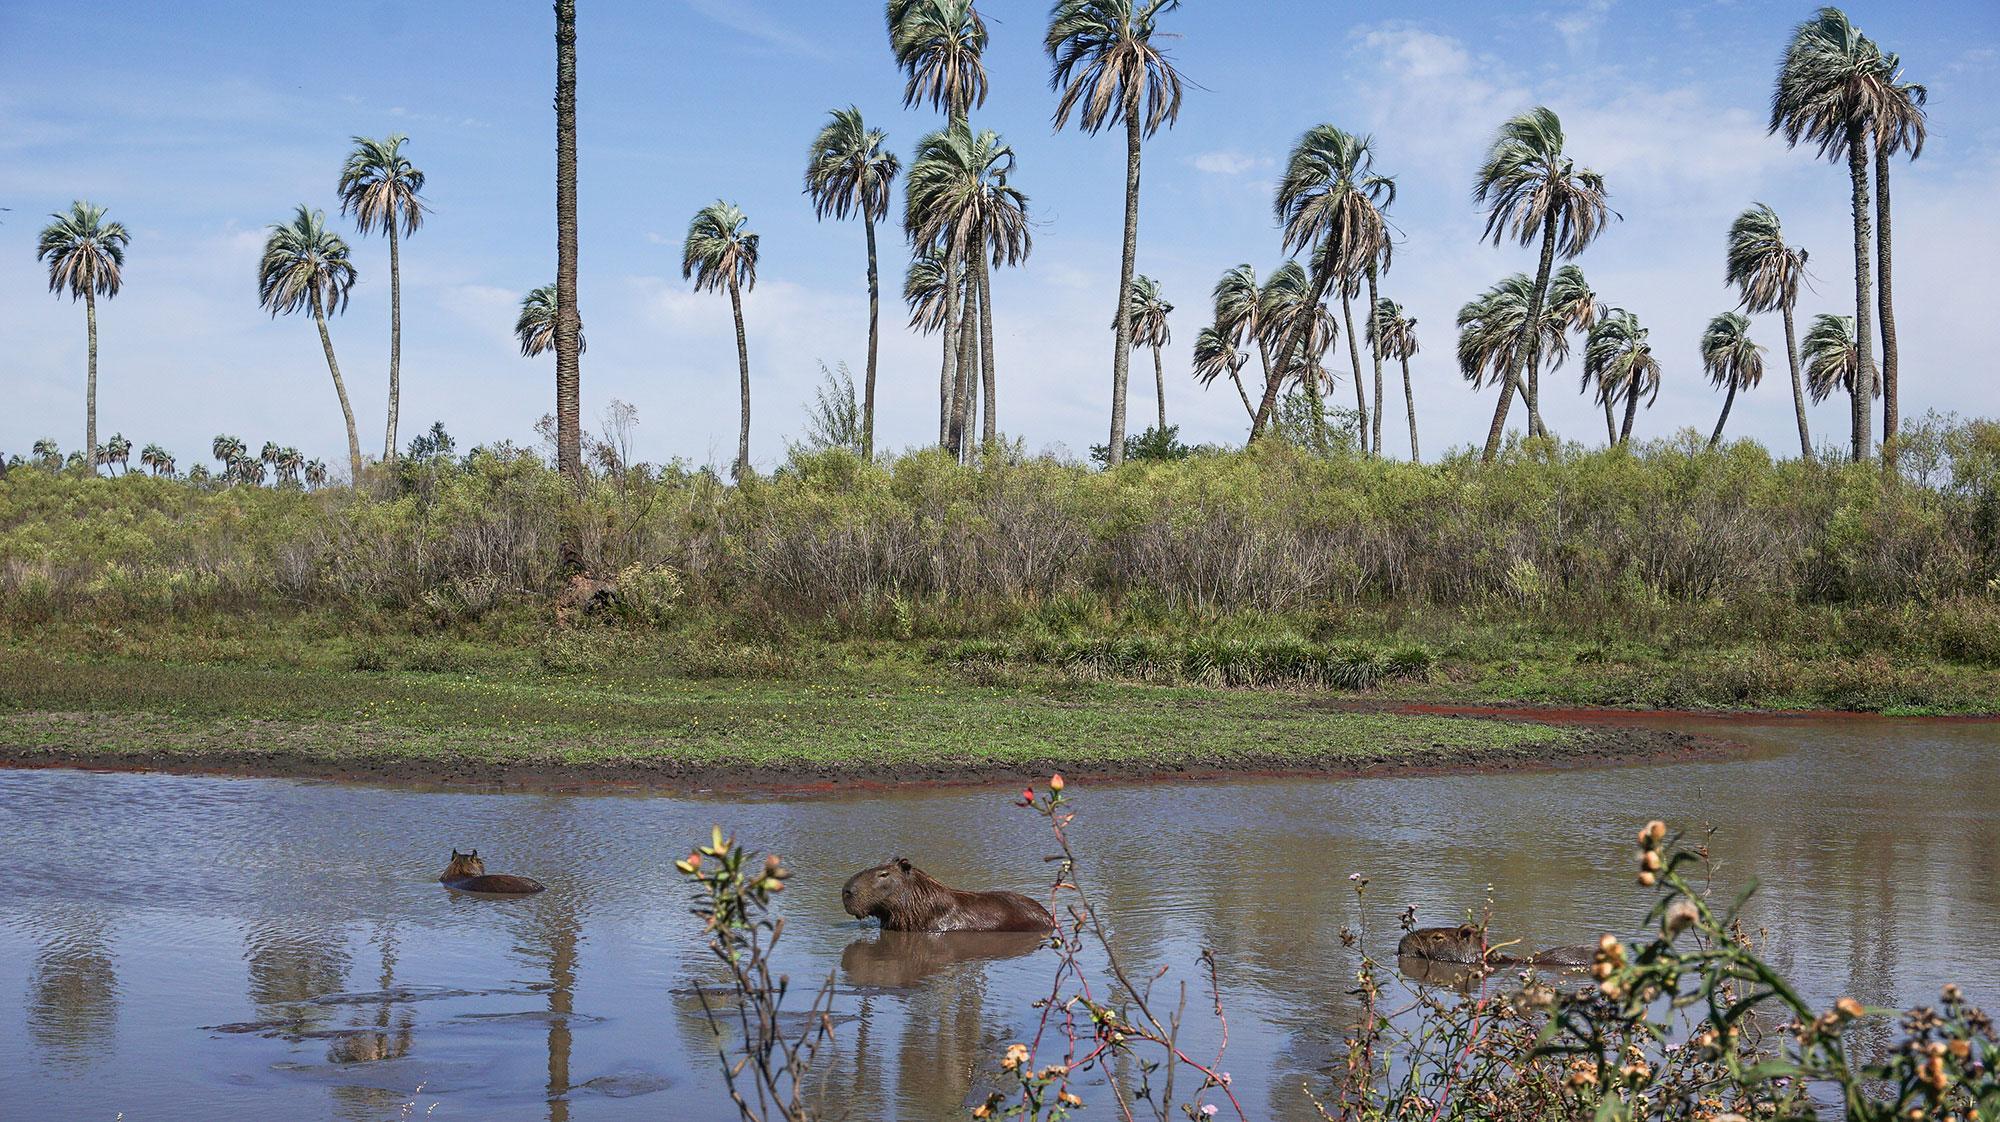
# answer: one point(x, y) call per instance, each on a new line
point(1576, 957)
point(467, 873)
point(1465, 943)
point(905, 899)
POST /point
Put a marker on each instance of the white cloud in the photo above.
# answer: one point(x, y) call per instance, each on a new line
point(1228, 162)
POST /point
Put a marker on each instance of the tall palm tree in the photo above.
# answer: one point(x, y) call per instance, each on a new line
point(1767, 272)
point(940, 45)
point(117, 452)
point(1109, 72)
point(1619, 359)
point(1899, 126)
point(269, 454)
point(1237, 300)
point(1833, 356)
point(225, 450)
point(721, 253)
point(1330, 203)
point(848, 172)
point(1214, 356)
point(1570, 308)
point(1491, 332)
point(306, 265)
point(315, 473)
point(1833, 85)
point(156, 460)
point(1299, 330)
point(1393, 334)
point(1732, 359)
point(569, 324)
point(535, 327)
point(86, 257)
point(290, 462)
point(1533, 189)
point(48, 454)
point(379, 187)
point(1149, 314)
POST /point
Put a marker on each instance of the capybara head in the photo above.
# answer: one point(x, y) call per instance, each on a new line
point(1464, 943)
point(885, 889)
point(464, 865)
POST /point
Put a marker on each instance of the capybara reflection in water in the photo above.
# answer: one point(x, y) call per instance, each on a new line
point(467, 873)
point(905, 899)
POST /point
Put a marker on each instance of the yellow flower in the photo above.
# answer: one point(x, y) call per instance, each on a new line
point(1056, 782)
point(1017, 1054)
point(1848, 1008)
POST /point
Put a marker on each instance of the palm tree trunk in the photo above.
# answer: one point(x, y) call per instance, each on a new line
point(874, 315)
point(1527, 342)
point(1891, 409)
point(1354, 357)
point(340, 390)
point(569, 421)
point(1631, 411)
point(1531, 392)
point(1410, 407)
point(1798, 386)
point(948, 376)
point(1375, 356)
point(1864, 328)
point(743, 377)
point(90, 385)
point(1121, 357)
point(990, 429)
point(395, 339)
point(1724, 419)
point(966, 401)
point(1247, 407)
point(1610, 425)
point(1160, 387)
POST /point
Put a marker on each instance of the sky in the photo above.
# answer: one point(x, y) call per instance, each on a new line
point(201, 124)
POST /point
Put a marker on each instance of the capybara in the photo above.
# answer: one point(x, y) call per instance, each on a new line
point(467, 873)
point(1576, 957)
point(904, 898)
point(1465, 943)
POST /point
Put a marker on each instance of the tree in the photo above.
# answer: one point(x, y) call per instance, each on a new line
point(1491, 332)
point(1214, 356)
point(939, 44)
point(1571, 308)
point(315, 473)
point(156, 460)
point(1767, 272)
point(1617, 356)
point(721, 253)
point(1237, 300)
point(306, 265)
point(1109, 72)
point(1833, 84)
point(1330, 204)
point(1149, 314)
point(379, 187)
point(48, 454)
point(1298, 329)
point(117, 452)
point(535, 327)
point(1899, 126)
point(226, 450)
point(569, 324)
point(1833, 356)
point(848, 172)
point(1533, 189)
point(1732, 359)
point(1392, 334)
point(86, 258)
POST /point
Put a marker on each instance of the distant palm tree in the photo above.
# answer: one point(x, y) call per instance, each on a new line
point(1732, 359)
point(156, 460)
point(315, 473)
point(536, 325)
point(1299, 330)
point(117, 452)
point(198, 474)
point(268, 455)
point(226, 450)
point(939, 44)
point(1237, 299)
point(379, 187)
point(1620, 360)
point(1570, 308)
point(721, 253)
point(569, 323)
point(848, 172)
point(1214, 356)
point(1533, 189)
point(86, 257)
point(1899, 126)
point(1109, 72)
point(290, 463)
point(1833, 85)
point(48, 454)
point(1491, 332)
point(1149, 314)
point(249, 471)
point(306, 265)
point(1767, 272)
point(1832, 356)
point(1392, 334)
point(1330, 203)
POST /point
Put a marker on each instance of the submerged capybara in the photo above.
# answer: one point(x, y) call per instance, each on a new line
point(1574, 957)
point(904, 898)
point(1465, 943)
point(467, 873)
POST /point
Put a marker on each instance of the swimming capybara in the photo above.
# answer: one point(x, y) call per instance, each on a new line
point(1465, 943)
point(905, 899)
point(1575, 957)
point(467, 873)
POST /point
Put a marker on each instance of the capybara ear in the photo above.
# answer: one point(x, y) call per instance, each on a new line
point(455, 855)
point(1467, 930)
point(474, 853)
point(903, 863)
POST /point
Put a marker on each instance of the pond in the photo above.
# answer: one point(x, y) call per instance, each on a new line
point(178, 946)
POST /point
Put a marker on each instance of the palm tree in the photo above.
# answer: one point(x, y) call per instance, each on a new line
point(939, 45)
point(86, 257)
point(226, 450)
point(1832, 356)
point(306, 265)
point(569, 324)
point(1393, 334)
point(1109, 72)
point(1237, 300)
point(1732, 359)
point(118, 452)
point(1767, 272)
point(1570, 308)
point(1491, 332)
point(290, 462)
point(1833, 85)
point(1898, 126)
point(1330, 204)
point(378, 187)
point(155, 459)
point(315, 473)
point(1300, 329)
point(1214, 356)
point(268, 455)
point(1620, 360)
point(721, 252)
point(1149, 314)
point(1533, 189)
point(535, 327)
point(848, 172)
point(48, 454)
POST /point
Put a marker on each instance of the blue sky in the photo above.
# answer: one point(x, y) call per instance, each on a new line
point(200, 124)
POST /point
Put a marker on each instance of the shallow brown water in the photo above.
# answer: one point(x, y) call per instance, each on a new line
point(150, 924)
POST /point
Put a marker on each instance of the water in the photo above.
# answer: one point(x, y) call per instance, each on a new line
point(179, 947)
